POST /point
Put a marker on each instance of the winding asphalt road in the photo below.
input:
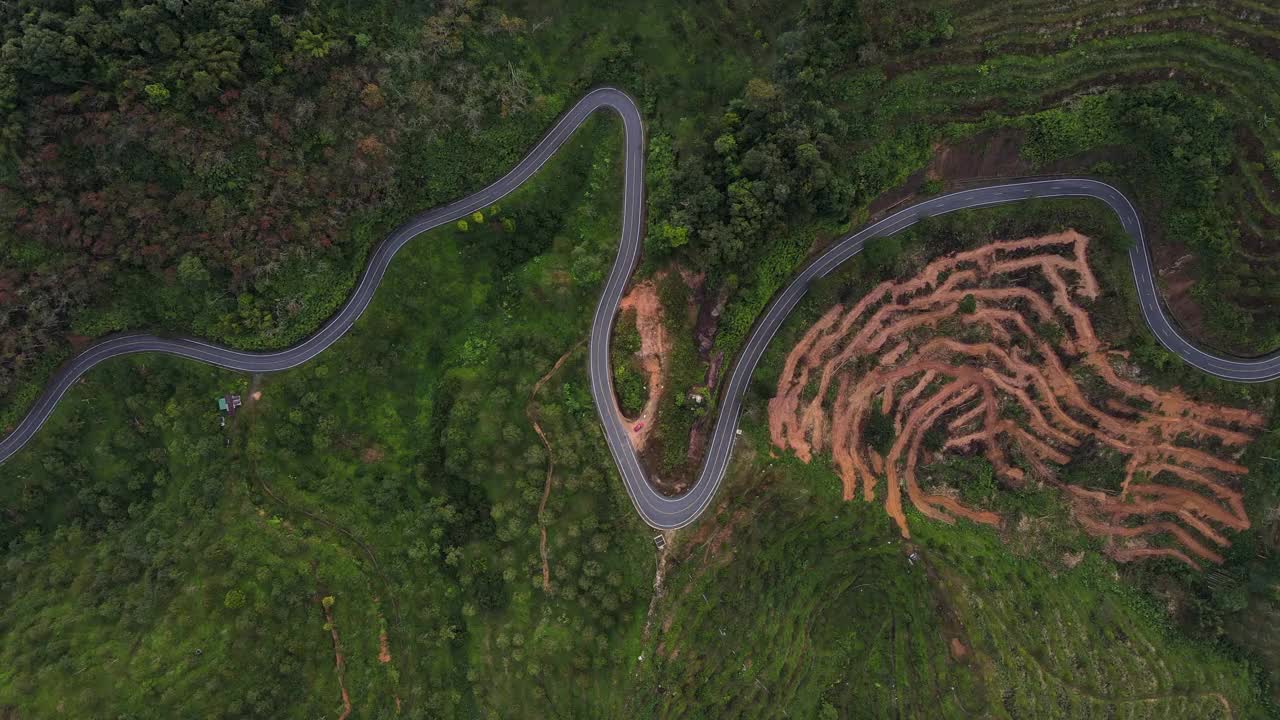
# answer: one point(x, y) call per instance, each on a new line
point(656, 509)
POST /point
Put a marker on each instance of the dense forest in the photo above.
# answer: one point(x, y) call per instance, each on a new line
point(392, 495)
point(425, 522)
point(222, 167)
point(225, 171)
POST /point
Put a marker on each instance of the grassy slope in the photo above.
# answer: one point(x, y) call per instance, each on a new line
point(849, 628)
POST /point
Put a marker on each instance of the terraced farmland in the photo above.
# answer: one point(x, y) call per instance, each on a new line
point(990, 351)
point(1007, 63)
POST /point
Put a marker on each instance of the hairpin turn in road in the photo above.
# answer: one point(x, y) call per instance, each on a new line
point(655, 508)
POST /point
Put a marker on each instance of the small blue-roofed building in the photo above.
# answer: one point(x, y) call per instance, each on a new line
point(229, 403)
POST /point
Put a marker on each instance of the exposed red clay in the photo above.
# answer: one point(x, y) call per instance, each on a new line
point(655, 348)
point(993, 384)
point(530, 411)
point(340, 661)
point(384, 648)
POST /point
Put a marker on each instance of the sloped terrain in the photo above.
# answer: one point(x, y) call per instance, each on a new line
point(992, 351)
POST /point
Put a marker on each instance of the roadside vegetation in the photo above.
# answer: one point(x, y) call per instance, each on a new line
point(312, 130)
point(628, 376)
point(860, 628)
point(1168, 104)
point(223, 167)
point(157, 572)
point(1029, 620)
point(1209, 608)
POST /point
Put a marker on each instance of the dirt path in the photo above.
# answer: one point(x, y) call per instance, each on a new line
point(655, 348)
point(384, 646)
point(368, 551)
point(659, 587)
point(340, 661)
point(255, 396)
point(530, 411)
point(384, 654)
point(990, 351)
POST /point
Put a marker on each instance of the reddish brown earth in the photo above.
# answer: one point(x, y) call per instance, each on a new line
point(655, 348)
point(990, 383)
point(339, 660)
point(989, 154)
point(1178, 272)
point(384, 648)
point(530, 412)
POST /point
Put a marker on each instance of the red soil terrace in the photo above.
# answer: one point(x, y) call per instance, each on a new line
point(1001, 381)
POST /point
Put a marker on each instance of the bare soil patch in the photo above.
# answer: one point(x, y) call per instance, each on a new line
point(994, 154)
point(1021, 378)
point(1177, 271)
point(655, 348)
point(77, 342)
point(989, 154)
point(340, 660)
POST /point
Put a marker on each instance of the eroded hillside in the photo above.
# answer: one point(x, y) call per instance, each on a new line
point(992, 352)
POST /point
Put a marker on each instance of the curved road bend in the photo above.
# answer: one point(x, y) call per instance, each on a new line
point(656, 509)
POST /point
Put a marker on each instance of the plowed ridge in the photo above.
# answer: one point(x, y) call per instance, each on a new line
point(991, 351)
